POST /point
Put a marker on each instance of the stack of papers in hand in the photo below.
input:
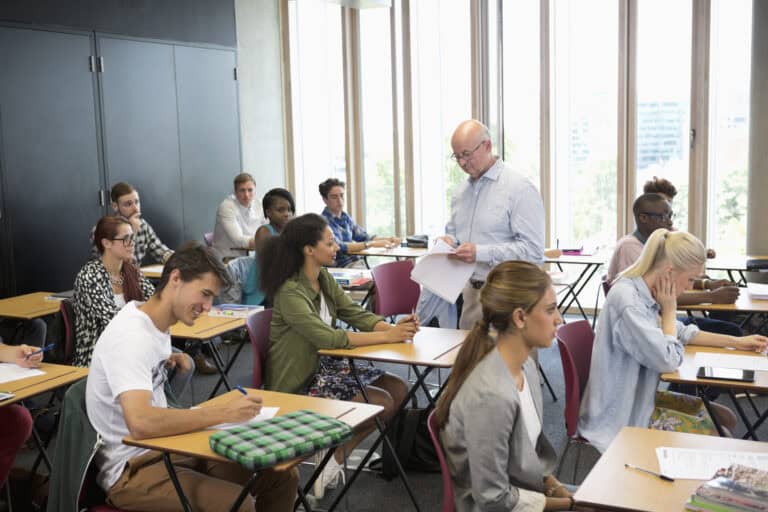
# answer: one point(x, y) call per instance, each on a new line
point(758, 291)
point(443, 276)
point(738, 488)
point(234, 310)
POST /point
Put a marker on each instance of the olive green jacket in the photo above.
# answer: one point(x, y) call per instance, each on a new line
point(297, 332)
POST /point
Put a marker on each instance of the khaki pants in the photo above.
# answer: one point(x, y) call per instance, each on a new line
point(472, 310)
point(209, 486)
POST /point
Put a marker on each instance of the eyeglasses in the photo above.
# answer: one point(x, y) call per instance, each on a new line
point(466, 155)
point(127, 240)
point(660, 216)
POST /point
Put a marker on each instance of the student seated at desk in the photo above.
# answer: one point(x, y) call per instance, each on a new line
point(15, 420)
point(307, 302)
point(490, 414)
point(279, 207)
point(633, 346)
point(124, 396)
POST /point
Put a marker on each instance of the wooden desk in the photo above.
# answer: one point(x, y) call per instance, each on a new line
point(196, 444)
point(732, 264)
point(686, 374)
point(56, 375)
point(398, 253)
point(28, 306)
point(744, 304)
point(591, 264)
point(610, 486)
point(205, 328)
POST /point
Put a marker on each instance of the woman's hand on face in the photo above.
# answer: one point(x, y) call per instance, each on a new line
point(665, 292)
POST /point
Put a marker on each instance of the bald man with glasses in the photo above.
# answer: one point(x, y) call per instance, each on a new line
point(496, 214)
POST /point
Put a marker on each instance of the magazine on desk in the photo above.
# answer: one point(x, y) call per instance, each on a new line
point(234, 310)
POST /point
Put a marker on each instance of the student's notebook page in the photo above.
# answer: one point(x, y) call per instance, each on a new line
point(443, 276)
point(692, 464)
point(10, 372)
point(737, 362)
point(758, 291)
point(264, 414)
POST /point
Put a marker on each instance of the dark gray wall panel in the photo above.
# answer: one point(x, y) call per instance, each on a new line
point(49, 154)
point(141, 142)
point(208, 133)
point(202, 21)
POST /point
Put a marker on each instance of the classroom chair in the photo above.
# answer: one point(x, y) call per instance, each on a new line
point(447, 482)
point(67, 310)
point(575, 344)
point(605, 285)
point(208, 237)
point(396, 293)
point(258, 325)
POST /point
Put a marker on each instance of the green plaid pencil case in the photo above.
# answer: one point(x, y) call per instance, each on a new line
point(269, 442)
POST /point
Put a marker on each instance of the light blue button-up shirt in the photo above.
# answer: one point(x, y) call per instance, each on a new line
point(629, 354)
point(503, 214)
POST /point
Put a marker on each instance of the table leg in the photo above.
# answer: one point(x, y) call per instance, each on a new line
point(589, 270)
point(229, 366)
point(750, 430)
point(217, 360)
point(176, 484)
point(302, 498)
point(703, 395)
point(243, 493)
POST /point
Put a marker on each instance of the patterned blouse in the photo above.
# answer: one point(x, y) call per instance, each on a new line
point(94, 305)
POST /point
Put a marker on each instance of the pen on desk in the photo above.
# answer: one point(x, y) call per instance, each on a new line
point(40, 350)
point(240, 389)
point(663, 477)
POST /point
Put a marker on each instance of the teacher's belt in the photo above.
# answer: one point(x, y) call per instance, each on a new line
point(476, 284)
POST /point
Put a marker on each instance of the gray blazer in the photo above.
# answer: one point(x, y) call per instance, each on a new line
point(487, 446)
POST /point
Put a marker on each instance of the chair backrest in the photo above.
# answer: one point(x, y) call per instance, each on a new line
point(396, 293)
point(208, 237)
point(67, 310)
point(258, 325)
point(575, 341)
point(606, 285)
point(447, 482)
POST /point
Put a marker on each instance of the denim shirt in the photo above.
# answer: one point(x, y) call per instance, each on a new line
point(629, 353)
point(344, 230)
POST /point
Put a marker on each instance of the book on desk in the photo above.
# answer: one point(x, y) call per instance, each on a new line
point(234, 310)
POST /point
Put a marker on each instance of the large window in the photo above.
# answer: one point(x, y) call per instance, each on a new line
point(585, 84)
point(442, 94)
point(730, 53)
point(317, 85)
point(664, 97)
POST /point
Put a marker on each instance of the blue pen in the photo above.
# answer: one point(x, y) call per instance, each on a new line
point(240, 389)
point(40, 350)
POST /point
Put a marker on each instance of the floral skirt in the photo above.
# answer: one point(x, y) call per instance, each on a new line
point(334, 378)
point(681, 413)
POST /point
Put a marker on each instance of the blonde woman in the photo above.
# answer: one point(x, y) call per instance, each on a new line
point(638, 337)
point(490, 415)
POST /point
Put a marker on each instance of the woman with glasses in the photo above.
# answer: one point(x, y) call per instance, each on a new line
point(105, 284)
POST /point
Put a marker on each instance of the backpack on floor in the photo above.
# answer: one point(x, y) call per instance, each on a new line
point(410, 438)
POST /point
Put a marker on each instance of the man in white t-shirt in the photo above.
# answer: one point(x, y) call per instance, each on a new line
point(125, 397)
point(237, 219)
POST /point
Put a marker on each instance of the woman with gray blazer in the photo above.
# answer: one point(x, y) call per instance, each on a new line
point(490, 415)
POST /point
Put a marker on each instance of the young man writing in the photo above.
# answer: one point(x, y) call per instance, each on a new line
point(125, 396)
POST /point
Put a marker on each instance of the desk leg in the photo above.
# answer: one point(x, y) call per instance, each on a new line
point(217, 360)
point(228, 367)
point(703, 395)
point(246, 490)
point(302, 498)
point(41, 450)
point(581, 282)
point(176, 484)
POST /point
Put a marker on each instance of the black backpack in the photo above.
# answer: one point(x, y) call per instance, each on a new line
point(411, 440)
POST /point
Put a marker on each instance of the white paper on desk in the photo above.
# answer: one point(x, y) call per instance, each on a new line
point(692, 464)
point(11, 371)
point(739, 362)
point(443, 276)
point(758, 291)
point(264, 414)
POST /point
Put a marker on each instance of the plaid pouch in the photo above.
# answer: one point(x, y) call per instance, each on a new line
point(269, 442)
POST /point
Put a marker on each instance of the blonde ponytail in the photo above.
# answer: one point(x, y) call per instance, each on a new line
point(680, 248)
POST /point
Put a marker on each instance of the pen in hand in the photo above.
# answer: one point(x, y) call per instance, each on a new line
point(241, 389)
point(40, 350)
point(648, 471)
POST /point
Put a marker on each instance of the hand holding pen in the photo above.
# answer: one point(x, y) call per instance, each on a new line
point(31, 357)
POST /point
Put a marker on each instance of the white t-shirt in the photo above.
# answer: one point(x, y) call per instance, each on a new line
point(528, 410)
point(129, 355)
point(235, 225)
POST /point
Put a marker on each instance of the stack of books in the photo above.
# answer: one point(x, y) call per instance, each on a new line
point(736, 489)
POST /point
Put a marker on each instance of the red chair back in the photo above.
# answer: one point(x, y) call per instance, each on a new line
point(208, 237)
point(606, 285)
point(447, 483)
point(396, 293)
point(575, 341)
point(258, 325)
point(68, 315)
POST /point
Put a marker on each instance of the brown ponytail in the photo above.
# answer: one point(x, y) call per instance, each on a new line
point(509, 286)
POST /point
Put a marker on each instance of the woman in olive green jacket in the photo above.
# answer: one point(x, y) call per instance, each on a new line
point(307, 303)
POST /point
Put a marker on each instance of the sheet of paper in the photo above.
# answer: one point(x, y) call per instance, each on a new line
point(691, 464)
point(443, 276)
point(11, 371)
point(264, 414)
point(758, 290)
point(756, 362)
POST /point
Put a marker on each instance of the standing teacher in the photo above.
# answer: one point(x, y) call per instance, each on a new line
point(496, 215)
